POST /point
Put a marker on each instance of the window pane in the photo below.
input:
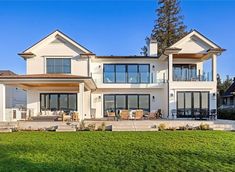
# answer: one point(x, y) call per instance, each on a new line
point(109, 105)
point(144, 73)
point(121, 73)
point(132, 102)
point(43, 103)
point(47, 102)
point(63, 102)
point(120, 102)
point(144, 102)
point(72, 102)
point(109, 75)
point(54, 102)
point(50, 65)
point(176, 72)
point(67, 66)
point(180, 102)
point(196, 100)
point(132, 73)
point(188, 103)
point(205, 99)
point(58, 65)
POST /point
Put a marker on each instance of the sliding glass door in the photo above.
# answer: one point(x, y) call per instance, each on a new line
point(189, 103)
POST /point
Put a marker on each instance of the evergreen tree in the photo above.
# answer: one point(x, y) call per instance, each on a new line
point(169, 26)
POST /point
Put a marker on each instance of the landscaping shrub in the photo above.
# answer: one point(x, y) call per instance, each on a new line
point(102, 127)
point(90, 127)
point(204, 126)
point(82, 125)
point(226, 114)
point(162, 127)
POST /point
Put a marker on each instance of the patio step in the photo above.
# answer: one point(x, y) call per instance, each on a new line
point(66, 128)
point(5, 130)
point(6, 127)
point(44, 118)
point(222, 127)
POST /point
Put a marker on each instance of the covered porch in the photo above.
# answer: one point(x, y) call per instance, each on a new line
point(48, 95)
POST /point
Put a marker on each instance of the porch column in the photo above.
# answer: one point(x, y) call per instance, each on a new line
point(170, 64)
point(81, 100)
point(214, 68)
point(2, 102)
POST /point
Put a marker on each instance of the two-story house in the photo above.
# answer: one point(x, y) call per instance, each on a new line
point(63, 75)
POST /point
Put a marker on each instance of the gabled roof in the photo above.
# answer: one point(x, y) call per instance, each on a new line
point(198, 35)
point(230, 90)
point(6, 73)
point(29, 51)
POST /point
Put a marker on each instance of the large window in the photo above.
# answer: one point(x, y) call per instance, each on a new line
point(58, 65)
point(126, 73)
point(58, 101)
point(117, 102)
point(184, 72)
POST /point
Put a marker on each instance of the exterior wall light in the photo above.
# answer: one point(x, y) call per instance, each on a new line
point(153, 98)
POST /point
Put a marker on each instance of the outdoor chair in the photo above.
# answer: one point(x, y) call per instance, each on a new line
point(139, 114)
point(213, 114)
point(152, 115)
point(110, 115)
point(173, 113)
point(65, 117)
point(196, 113)
point(74, 116)
point(159, 114)
point(124, 114)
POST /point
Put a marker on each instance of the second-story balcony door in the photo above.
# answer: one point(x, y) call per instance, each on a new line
point(184, 72)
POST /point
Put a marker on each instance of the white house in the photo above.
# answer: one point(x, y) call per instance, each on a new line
point(64, 75)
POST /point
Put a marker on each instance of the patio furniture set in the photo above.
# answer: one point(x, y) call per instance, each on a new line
point(137, 114)
point(197, 114)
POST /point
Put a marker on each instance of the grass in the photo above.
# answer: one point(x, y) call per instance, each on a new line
point(118, 151)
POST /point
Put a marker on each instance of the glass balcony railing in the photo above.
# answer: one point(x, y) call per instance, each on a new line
point(126, 78)
point(205, 77)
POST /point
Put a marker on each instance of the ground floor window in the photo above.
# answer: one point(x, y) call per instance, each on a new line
point(190, 103)
point(116, 102)
point(58, 101)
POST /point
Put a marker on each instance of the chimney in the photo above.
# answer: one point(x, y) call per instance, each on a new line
point(152, 48)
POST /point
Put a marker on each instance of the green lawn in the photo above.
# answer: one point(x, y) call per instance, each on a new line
point(118, 151)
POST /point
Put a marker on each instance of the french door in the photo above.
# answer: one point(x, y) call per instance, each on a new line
point(191, 102)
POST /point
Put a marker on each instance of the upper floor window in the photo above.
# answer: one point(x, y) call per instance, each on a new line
point(126, 73)
point(58, 65)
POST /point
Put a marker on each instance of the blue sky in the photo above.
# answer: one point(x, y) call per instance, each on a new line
point(108, 27)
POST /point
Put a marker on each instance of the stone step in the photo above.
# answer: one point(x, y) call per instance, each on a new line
point(5, 130)
point(65, 128)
